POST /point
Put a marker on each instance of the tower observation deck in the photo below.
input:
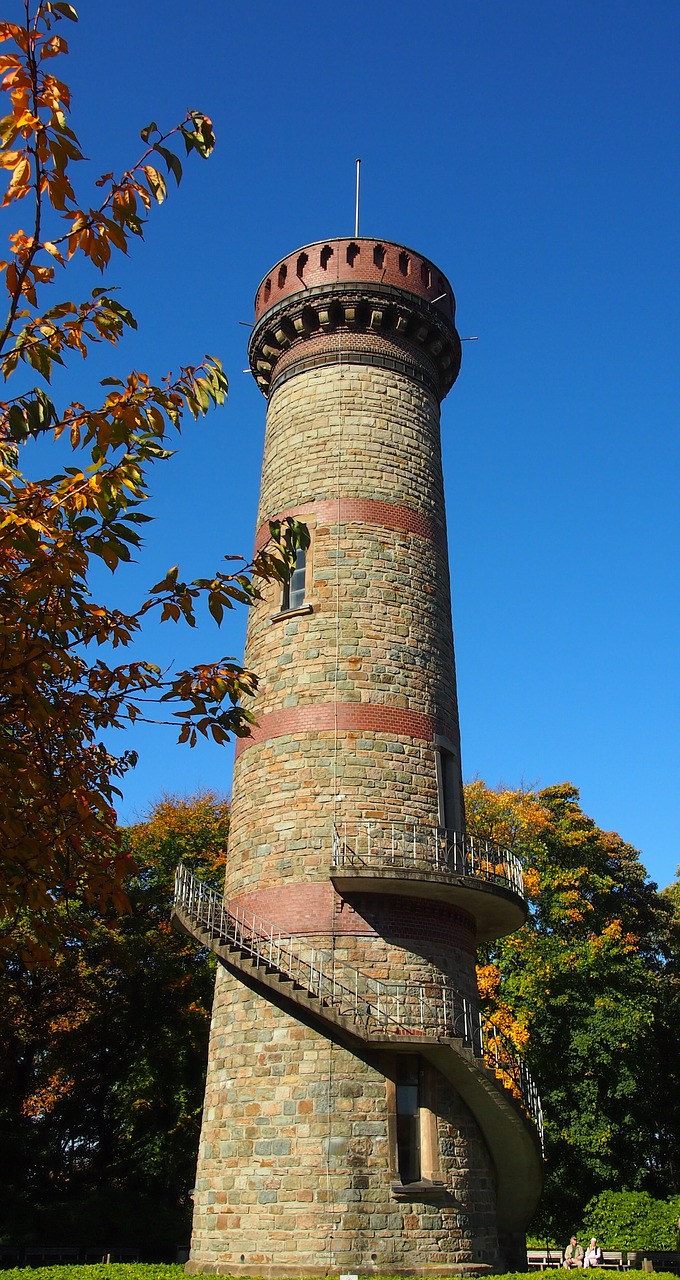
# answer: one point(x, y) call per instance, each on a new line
point(360, 1114)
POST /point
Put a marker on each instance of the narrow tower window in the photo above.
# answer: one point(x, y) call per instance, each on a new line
point(352, 253)
point(325, 256)
point(404, 263)
point(447, 788)
point(450, 803)
point(408, 1119)
point(302, 261)
point(294, 590)
point(379, 257)
point(283, 272)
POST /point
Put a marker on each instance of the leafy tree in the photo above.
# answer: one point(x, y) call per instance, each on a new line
point(59, 690)
point(103, 1060)
point(582, 989)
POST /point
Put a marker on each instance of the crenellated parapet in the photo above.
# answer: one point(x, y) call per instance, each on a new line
point(389, 307)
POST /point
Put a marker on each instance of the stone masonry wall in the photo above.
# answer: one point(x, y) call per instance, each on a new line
point(285, 798)
point(296, 1164)
point(378, 633)
point(360, 432)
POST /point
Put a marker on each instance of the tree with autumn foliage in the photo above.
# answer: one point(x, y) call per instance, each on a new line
point(102, 1057)
point(583, 992)
point(59, 689)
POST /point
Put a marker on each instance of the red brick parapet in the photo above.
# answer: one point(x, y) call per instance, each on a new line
point(360, 301)
point(361, 717)
point(362, 260)
point(388, 515)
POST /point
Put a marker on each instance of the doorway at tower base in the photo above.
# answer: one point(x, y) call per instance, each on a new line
point(304, 1167)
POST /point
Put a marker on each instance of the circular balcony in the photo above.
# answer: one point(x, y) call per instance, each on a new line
point(416, 861)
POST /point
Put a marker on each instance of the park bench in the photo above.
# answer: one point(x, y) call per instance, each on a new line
point(105, 1253)
point(541, 1259)
point(11, 1255)
point(615, 1260)
point(49, 1255)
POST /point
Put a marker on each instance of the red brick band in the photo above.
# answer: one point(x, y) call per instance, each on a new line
point(308, 909)
point(359, 716)
point(388, 515)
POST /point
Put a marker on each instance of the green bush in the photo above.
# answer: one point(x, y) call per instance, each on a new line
point(99, 1271)
point(631, 1220)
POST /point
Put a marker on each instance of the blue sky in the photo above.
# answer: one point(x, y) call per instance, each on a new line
point(531, 150)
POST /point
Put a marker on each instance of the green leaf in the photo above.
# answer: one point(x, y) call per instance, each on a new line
point(204, 137)
point(17, 423)
point(8, 129)
point(39, 358)
point(64, 10)
point(172, 161)
point(216, 608)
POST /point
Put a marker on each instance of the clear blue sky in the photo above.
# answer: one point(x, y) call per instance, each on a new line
point(531, 150)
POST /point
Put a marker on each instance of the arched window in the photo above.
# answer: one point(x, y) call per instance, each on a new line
point(294, 590)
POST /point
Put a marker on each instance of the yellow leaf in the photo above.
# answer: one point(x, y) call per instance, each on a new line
point(52, 248)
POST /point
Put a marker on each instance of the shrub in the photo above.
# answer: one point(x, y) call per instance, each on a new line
point(632, 1220)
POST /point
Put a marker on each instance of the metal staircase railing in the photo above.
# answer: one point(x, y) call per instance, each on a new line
point(406, 1008)
point(426, 1009)
point(405, 845)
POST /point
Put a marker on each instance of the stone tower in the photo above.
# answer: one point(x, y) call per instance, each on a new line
point(360, 1116)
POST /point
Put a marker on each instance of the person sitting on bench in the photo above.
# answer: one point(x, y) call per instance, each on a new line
point(593, 1255)
point(573, 1254)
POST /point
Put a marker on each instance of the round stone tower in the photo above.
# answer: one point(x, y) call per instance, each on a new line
point(360, 1116)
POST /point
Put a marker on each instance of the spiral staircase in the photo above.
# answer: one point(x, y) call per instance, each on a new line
point(356, 1009)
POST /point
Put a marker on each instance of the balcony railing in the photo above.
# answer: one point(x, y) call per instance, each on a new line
point(369, 845)
point(433, 1009)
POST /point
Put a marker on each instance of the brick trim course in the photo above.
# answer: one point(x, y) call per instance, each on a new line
point(386, 515)
point(316, 909)
point(346, 717)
